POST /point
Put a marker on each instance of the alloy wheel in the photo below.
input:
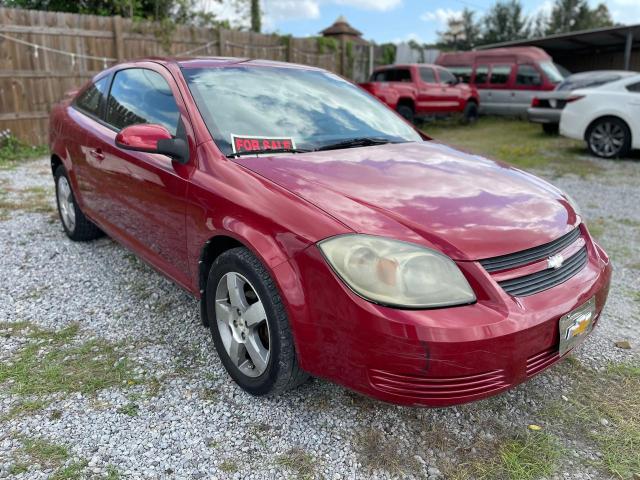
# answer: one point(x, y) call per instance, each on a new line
point(607, 139)
point(243, 325)
point(65, 202)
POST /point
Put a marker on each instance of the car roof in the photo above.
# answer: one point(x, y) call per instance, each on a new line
point(464, 58)
point(204, 62)
point(408, 65)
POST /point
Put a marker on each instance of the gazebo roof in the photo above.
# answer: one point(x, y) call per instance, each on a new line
point(341, 26)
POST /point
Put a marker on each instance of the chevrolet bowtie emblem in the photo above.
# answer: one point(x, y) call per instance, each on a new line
point(555, 261)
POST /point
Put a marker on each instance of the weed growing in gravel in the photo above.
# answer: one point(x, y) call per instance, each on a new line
point(376, 452)
point(228, 466)
point(44, 452)
point(298, 461)
point(130, 409)
point(112, 473)
point(25, 408)
point(13, 151)
point(73, 471)
point(29, 200)
point(55, 362)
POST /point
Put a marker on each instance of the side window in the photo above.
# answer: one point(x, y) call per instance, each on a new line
point(500, 74)
point(91, 100)
point(482, 73)
point(447, 77)
point(427, 75)
point(402, 75)
point(464, 73)
point(379, 76)
point(634, 87)
point(141, 96)
point(528, 75)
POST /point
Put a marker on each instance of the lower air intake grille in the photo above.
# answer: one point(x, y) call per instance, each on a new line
point(549, 278)
point(434, 388)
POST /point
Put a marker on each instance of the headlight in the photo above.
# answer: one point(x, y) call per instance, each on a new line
point(396, 273)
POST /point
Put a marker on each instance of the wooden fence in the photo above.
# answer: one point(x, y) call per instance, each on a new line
point(45, 54)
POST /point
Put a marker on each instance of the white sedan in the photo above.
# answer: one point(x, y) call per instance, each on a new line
point(606, 117)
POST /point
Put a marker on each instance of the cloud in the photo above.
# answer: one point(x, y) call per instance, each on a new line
point(379, 5)
point(624, 11)
point(408, 37)
point(441, 15)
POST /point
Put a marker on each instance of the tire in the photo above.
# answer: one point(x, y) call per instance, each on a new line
point(406, 112)
point(609, 137)
point(280, 372)
point(76, 225)
point(470, 113)
point(551, 128)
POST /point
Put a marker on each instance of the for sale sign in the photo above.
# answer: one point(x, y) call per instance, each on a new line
point(250, 143)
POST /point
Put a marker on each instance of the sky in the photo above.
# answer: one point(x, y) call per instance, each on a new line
point(388, 20)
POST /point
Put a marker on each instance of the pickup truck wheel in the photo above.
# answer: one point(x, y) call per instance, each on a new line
point(471, 113)
point(406, 112)
point(550, 128)
point(249, 325)
point(76, 225)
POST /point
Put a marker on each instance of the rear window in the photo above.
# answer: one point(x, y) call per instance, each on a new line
point(90, 101)
point(482, 73)
point(463, 73)
point(583, 80)
point(500, 74)
point(392, 75)
point(634, 87)
point(551, 71)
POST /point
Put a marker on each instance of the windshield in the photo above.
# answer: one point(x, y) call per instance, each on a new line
point(294, 108)
point(552, 72)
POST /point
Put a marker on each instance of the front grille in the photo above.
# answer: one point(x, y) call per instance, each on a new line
point(434, 388)
point(538, 362)
point(545, 279)
point(525, 257)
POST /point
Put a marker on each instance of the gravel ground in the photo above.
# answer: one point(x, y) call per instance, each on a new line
point(189, 420)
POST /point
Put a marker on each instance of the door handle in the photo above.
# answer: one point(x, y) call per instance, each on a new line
point(97, 154)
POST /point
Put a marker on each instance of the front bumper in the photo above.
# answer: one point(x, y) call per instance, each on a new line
point(544, 115)
point(435, 357)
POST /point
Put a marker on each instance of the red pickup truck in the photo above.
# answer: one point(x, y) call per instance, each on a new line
point(420, 90)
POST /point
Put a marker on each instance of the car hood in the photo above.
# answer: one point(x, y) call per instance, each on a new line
point(464, 205)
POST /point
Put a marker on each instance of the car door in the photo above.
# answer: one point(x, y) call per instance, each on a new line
point(142, 196)
point(429, 93)
point(450, 91)
point(528, 83)
point(499, 93)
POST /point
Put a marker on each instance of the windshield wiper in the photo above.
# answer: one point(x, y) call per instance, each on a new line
point(265, 151)
point(356, 142)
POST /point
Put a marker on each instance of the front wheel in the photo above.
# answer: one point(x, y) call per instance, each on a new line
point(471, 113)
point(250, 327)
point(76, 225)
point(609, 137)
point(406, 112)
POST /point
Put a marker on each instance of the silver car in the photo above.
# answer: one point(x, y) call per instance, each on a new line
point(546, 107)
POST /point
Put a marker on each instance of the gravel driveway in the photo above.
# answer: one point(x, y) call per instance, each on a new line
point(172, 412)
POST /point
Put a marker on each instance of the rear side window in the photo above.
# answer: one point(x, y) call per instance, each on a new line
point(500, 74)
point(463, 73)
point(380, 76)
point(482, 73)
point(400, 75)
point(528, 75)
point(141, 96)
point(90, 101)
point(427, 75)
point(634, 87)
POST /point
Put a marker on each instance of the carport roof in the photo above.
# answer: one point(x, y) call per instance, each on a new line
point(580, 40)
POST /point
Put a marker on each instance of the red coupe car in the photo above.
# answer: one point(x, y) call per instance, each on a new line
point(323, 234)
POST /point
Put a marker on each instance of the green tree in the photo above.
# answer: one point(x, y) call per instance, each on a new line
point(572, 15)
point(463, 33)
point(505, 21)
point(256, 14)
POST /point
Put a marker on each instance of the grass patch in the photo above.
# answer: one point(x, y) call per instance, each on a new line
point(517, 142)
point(130, 409)
point(53, 361)
point(228, 466)
point(44, 452)
point(298, 461)
point(24, 408)
point(112, 473)
point(14, 151)
point(72, 471)
point(604, 410)
point(377, 452)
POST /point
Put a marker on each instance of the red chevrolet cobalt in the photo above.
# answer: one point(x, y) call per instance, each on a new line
point(323, 234)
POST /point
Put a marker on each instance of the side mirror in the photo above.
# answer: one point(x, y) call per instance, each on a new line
point(152, 138)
